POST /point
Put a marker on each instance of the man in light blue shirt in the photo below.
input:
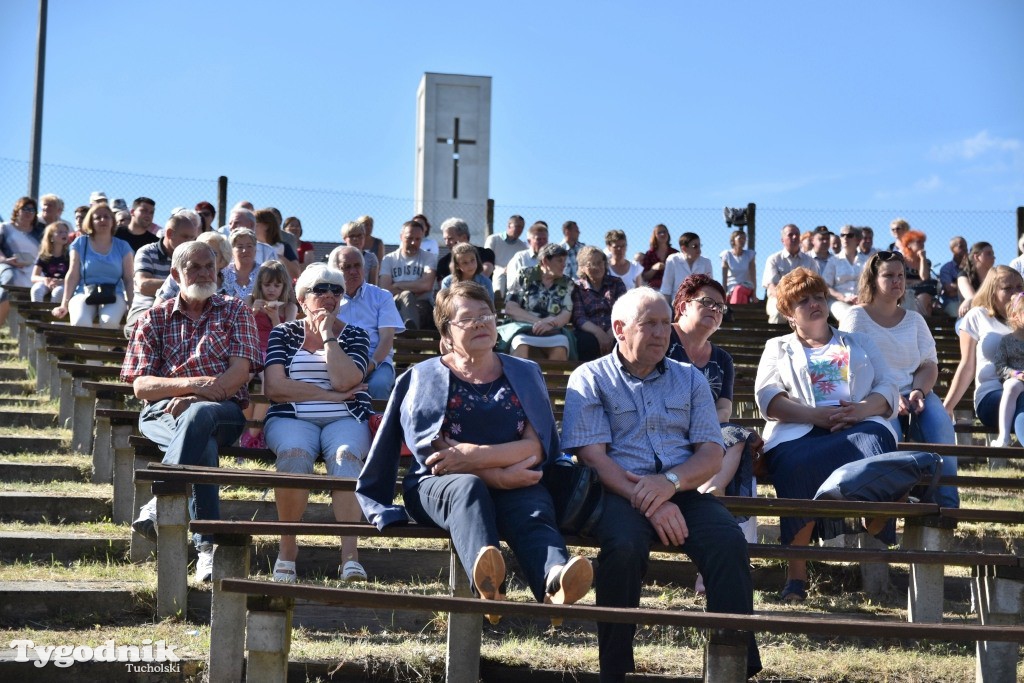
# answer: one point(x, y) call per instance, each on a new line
point(371, 308)
point(647, 425)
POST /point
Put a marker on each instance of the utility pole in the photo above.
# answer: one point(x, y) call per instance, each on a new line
point(37, 107)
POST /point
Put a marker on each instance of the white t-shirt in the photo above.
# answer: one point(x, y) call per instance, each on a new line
point(904, 346)
point(988, 332)
point(677, 270)
point(829, 369)
point(629, 279)
point(429, 244)
point(739, 267)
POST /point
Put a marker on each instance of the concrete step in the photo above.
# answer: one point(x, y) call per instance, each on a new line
point(57, 602)
point(37, 507)
point(20, 471)
point(31, 444)
point(60, 547)
point(22, 418)
point(14, 374)
point(185, 671)
point(14, 388)
point(20, 401)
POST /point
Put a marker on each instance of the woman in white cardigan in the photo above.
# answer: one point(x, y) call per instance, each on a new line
point(826, 397)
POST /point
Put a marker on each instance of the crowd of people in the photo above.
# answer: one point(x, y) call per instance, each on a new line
point(648, 406)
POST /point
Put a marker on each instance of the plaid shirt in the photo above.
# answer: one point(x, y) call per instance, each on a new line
point(167, 343)
point(595, 305)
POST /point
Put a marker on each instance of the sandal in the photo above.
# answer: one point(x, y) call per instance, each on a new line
point(353, 571)
point(794, 591)
point(284, 572)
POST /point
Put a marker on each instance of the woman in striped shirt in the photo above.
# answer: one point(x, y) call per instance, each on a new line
point(314, 375)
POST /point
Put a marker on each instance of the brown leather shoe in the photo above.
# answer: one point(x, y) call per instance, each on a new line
point(489, 577)
point(571, 583)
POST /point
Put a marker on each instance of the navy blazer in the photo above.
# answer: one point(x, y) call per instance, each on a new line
point(414, 416)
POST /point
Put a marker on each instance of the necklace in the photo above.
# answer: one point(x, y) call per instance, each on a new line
point(485, 393)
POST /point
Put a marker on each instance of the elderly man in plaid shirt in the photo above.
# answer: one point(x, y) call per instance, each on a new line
point(647, 425)
point(190, 359)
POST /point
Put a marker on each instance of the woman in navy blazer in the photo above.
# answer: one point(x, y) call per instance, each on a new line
point(480, 428)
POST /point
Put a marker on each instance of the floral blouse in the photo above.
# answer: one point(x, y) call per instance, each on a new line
point(484, 414)
point(529, 292)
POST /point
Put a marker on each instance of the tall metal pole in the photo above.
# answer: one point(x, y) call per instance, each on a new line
point(37, 107)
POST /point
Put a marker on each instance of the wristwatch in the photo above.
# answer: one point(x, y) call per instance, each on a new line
point(672, 478)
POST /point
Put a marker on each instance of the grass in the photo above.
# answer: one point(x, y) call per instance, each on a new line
point(416, 656)
point(140, 577)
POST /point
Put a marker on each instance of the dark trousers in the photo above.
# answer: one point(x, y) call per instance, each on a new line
point(477, 516)
point(715, 544)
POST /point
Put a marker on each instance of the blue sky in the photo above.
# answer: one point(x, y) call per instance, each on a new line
point(866, 107)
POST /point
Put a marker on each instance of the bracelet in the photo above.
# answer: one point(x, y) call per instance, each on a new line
point(330, 339)
point(913, 390)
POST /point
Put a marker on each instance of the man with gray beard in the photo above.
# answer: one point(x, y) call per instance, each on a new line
point(190, 359)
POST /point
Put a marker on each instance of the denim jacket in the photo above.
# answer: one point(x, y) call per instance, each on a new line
point(414, 416)
point(783, 370)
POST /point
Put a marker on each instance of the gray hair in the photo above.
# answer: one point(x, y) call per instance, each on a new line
point(244, 213)
point(551, 250)
point(219, 243)
point(184, 253)
point(338, 253)
point(460, 226)
point(627, 307)
point(315, 274)
point(242, 232)
point(189, 214)
point(176, 220)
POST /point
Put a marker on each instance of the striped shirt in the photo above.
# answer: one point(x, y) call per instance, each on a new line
point(649, 425)
point(286, 349)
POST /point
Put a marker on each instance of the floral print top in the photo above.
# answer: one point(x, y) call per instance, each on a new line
point(483, 414)
point(829, 369)
point(529, 292)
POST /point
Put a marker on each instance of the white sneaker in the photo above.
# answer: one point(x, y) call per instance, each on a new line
point(204, 565)
point(146, 522)
point(1000, 442)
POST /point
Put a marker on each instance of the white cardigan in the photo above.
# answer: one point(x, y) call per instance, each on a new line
point(783, 370)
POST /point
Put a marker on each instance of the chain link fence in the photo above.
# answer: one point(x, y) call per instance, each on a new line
point(324, 211)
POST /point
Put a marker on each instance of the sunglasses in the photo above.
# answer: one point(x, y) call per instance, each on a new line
point(890, 256)
point(465, 323)
point(323, 288)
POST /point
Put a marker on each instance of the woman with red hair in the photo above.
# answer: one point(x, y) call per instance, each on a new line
point(920, 285)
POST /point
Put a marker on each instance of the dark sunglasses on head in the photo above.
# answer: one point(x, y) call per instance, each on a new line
point(324, 288)
point(890, 256)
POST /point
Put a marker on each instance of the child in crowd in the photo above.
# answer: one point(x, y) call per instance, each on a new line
point(273, 302)
point(1009, 360)
point(466, 266)
point(1009, 364)
point(52, 264)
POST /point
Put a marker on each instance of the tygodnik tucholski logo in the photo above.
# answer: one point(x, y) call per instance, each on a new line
point(150, 656)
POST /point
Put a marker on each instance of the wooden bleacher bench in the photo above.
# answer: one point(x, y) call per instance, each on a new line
point(264, 608)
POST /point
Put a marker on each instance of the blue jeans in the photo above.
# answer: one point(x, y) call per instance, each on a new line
point(194, 438)
point(477, 516)
point(715, 544)
point(988, 413)
point(381, 381)
point(933, 426)
point(343, 442)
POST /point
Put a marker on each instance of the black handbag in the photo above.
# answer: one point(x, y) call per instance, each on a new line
point(577, 494)
point(98, 295)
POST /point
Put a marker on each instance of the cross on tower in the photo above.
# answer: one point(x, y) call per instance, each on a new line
point(455, 141)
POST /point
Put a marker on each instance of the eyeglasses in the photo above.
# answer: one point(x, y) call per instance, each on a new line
point(846, 234)
point(28, 209)
point(322, 288)
point(710, 304)
point(473, 322)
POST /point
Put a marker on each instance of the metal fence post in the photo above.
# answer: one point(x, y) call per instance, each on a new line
point(751, 216)
point(222, 199)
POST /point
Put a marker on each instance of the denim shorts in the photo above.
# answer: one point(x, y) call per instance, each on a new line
point(342, 442)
